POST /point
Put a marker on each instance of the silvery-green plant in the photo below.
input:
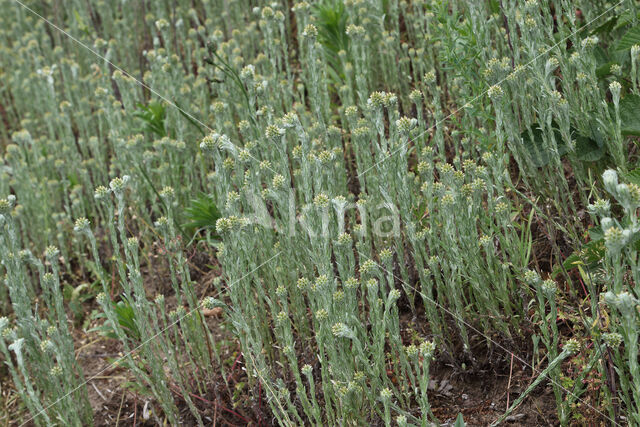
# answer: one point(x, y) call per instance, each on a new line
point(621, 296)
point(39, 350)
point(375, 158)
point(174, 339)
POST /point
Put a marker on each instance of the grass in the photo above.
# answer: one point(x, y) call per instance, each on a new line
point(310, 213)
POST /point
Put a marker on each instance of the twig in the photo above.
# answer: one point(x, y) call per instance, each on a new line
point(120, 409)
point(87, 345)
point(541, 377)
point(234, 366)
point(98, 391)
point(509, 383)
point(224, 408)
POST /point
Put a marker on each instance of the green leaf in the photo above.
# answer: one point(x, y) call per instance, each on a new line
point(601, 56)
point(534, 143)
point(605, 59)
point(78, 19)
point(137, 388)
point(331, 20)
point(596, 233)
point(590, 149)
point(607, 26)
point(590, 255)
point(73, 179)
point(630, 115)
point(332, 23)
point(126, 318)
point(153, 115)
point(81, 25)
point(494, 5)
point(459, 421)
point(67, 292)
point(77, 292)
point(629, 39)
point(624, 19)
point(633, 176)
point(202, 213)
point(604, 70)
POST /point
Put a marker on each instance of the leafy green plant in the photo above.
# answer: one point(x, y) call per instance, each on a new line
point(125, 317)
point(153, 116)
point(630, 115)
point(331, 19)
point(629, 39)
point(201, 216)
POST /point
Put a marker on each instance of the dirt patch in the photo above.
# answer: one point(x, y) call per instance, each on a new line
point(104, 386)
point(482, 399)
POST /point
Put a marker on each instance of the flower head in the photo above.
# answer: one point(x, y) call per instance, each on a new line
point(81, 225)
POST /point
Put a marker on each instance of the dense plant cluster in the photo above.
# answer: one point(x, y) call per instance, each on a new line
point(469, 166)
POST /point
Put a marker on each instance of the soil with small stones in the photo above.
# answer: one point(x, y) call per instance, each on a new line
point(482, 398)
